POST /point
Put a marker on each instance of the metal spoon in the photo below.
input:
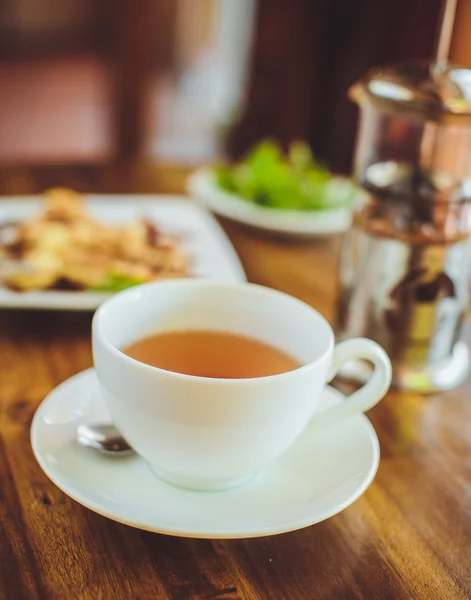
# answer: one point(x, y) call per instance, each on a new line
point(105, 438)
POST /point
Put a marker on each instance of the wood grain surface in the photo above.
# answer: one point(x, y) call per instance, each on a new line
point(408, 537)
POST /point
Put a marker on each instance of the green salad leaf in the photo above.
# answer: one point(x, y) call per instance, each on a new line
point(115, 282)
point(295, 181)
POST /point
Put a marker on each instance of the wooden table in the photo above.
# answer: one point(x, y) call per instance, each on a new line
point(408, 537)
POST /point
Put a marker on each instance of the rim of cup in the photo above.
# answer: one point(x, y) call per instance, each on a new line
point(124, 296)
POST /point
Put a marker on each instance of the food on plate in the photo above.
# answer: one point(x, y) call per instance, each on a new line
point(65, 248)
point(295, 181)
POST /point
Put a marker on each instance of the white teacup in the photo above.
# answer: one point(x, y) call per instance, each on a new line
point(212, 434)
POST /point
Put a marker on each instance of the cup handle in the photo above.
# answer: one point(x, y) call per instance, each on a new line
point(373, 390)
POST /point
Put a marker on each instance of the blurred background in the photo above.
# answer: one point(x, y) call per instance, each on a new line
point(187, 81)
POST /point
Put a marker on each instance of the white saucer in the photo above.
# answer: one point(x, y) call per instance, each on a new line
point(323, 473)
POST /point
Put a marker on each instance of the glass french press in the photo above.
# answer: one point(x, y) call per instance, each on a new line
point(406, 262)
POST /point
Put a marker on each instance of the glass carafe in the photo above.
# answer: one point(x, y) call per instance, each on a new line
point(406, 263)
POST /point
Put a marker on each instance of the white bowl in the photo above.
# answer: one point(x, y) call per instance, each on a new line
point(202, 186)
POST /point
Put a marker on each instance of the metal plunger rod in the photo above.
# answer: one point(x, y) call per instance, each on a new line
point(445, 32)
point(439, 62)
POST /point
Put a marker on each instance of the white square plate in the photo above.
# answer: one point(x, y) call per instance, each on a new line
point(210, 251)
